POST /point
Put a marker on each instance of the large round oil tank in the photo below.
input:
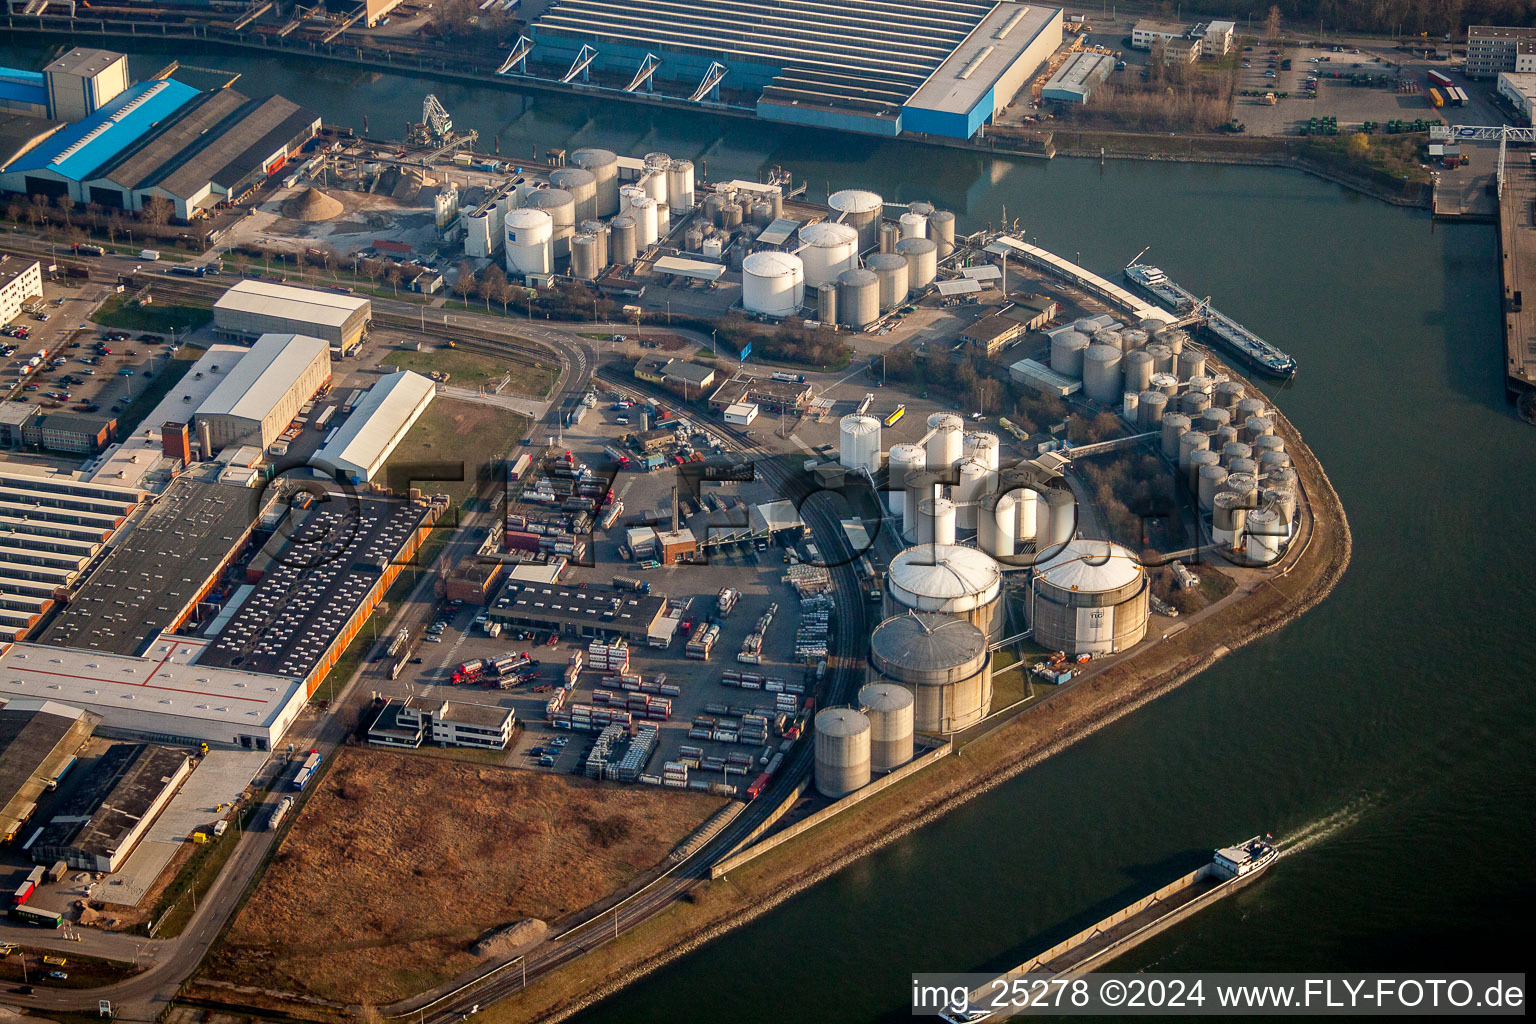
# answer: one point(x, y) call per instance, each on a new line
point(762, 213)
point(935, 521)
point(529, 242)
point(859, 443)
point(1210, 479)
point(1249, 466)
point(1248, 407)
point(561, 207)
point(604, 165)
point(1235, 450)
point(1167, 383)
point(1162, 358)
point(1029, 514)
point(1223, 436)
point(772, 283)
point(1226, 394)
point(1269, 443)
point(943, 660)
point(858, 298)
point(1192, 441)
point(890, 710)
point(584, 265)
point(1150, 407)
point(1109, 337)
point(1283, 499)
point(861, 211)
point(958, 581)
point(1198, 462)
point(1089, 598)
point(1067, 350)
point(581, 184)
point(941, 228)
point(922, 261)
point(826, 303)
point(1266, 534)
point(647, 229)
point(1138, 371)
point(997, 524)
point(1133, 338)
point(842, 751)
point(891, 271)
point(904, 458)
point(1192, 403)
point(623, 239)
point(1245, 485)
point(914, 225)
point(1056, 519)
point(714, 210)
point(654, 183)
point(1201, 384)
point(1212, 419)
point(1272, 460)
point(972, 485)
point(1101, 373)
point(1175, 426)
point(890, 234)
point(1191, 363)
point(1255, 427)
point(827, 250)
point(680, 185)
point(946, 440)
point(1177, 342)
point(1229, 513)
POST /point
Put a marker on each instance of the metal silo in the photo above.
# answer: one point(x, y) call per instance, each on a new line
point(859, 443)
point(1226, 394)
point(1284, 478)
point(842, 752)
point(957, 581)
point(582, 185)
point(561, 207)
point(1192, 441)
point(1175, 426)
point(891, 271)
point(762, 213)
point(1269, 443)
point(584, 265)
point(647, 231)
point(1229, 511)
point(1089, 598)
point(889, 234)
point(1109, 337)
point(1193, 403)
point(827, 250)
point(890, 709)
point(826, 303)
point(1056, 519)
point(1167, 383)
point(1199, 461)
point(1133, 338)
point(1191, 363)
point(972, 485)
point(1211, 420)
point(1029, 514)
point(1266, 534)
point(1255, 427)
point(1067, 350)
point(1150, 408)
point(623, 239)
point(1248, 466)
point(598, 230)
point(935, 521)
point(1162, 358)
point(604, 165)
point(858, 298)
point(1282, 499)
point(714, 210)
point(1138, 371)
point(861, 211)
point(941, 228)
point(943, 661)
point(772, 283)
point(914, 225)
point(1235, 450)
point(1101, 373)
point(986, 448)
point(945, 441)
point(1201, 384)
point(1245, 485)
point(918, 487)
point(680, 185)
point(904, 458)
point(1130, 405)
point(693, 240)
point(530, 242)
point(1177, 341)
point(997, 524)
point(1272, 460)
point(1223, 436)
point(1248, 407)
point(922, 261)
point(1209, 482)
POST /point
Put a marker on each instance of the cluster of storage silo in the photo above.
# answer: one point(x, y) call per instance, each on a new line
point(944, 662)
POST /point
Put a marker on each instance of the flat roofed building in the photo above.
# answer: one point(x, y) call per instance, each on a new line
point(38, 740)
point(81, 433)
point(100, 823)
point(1075, 80)
point(1495, 48)
point(769, 395)
point(265, 390)
point(253, 308)
point(21, 280)
point(406, 723)
point(992, 334)
point(375, 428)
point(1148, 32)
point(578, 611)
point(1520, 91)
point(23, 92)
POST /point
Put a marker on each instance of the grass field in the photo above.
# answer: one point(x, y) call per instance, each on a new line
point(159, 386)
point(451, 432)
point(471, 370)
point(117, 312)
point(397, 864)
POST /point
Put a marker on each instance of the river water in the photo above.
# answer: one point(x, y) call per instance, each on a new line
point(1385, 735)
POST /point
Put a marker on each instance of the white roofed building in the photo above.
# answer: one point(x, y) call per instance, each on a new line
point(377, 426)
point(256, 401)
point(253, 308)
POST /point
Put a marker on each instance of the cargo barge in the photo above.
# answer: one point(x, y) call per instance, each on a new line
point(1155, 285)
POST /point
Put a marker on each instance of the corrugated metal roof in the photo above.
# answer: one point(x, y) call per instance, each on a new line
point(263, 376)
point(86, 145)
point(17, 86)
point(378, 423)
point(269, 299)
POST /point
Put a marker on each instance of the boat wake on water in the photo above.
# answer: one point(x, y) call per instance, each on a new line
point(1326, 827)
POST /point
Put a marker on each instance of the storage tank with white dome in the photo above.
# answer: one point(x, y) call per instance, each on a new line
point(643, 209)
point(946, 440)
point(859, 443)
point(941, 228)
point(935, 521)
point(827, 250)
point(914, 225)
point(680, 193)
point(582, 185)
point(957, 581)
point(529, 242)
point(1266, 534)
point(1089, 598)
point(973, 484)
point(772, 283)
point(890, 709)
point(842, 751)
point(861, 211)
point(903, 458)
point(922, 262)
point(604, 165)
point(943, 661)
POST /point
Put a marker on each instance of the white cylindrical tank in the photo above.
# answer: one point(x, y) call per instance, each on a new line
point(914, 225)
point(561, 207)
point(643, 209)
point(654, 184)
point(1067, 350)
point(627, 196)
point(530, 237)
point(598, 230)
point(891, 272)
point(941, 228)
point(947, 578)
point(889, 708)
point(680, 185)
point(1057, 519)
point(842, 752)
point(859, 443)
point(604, 165)
point(1266, 534)
point(946, 440)
point(772, 283)
point(858, 298)
point(1029, 514)
point(919, 488)
point(985, 447)
point(968, 492)
point(827, 250)
point(944, 662)
point(860, 210)
point(997, 524)
point(1101, 373)
point(903, 459)
point(582, 185)
point(922, 262)
point(623, 239)
point(935, 521)
point(663, 220)
point(1089, 598)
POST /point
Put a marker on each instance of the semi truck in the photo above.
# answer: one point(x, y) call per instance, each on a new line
point(630, 583)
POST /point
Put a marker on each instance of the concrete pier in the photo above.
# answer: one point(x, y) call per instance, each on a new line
point(1517, 268)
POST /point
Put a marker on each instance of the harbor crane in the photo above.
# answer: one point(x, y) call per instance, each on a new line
point(518, 58)
point(436, 117)
point(710, 81)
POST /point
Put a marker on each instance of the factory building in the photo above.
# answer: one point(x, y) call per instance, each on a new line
point(253, 308)
point(376, 427)
point(21, 281)
point(264, 392)
point(768, 395)
point(38, 743)
point(1495, 48)
point(677, 375)
point(866, 65)
point(578, 611)
point(1089, 598)
point(100, 823)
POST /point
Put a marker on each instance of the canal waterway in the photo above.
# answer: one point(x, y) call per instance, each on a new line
point(1385, 736)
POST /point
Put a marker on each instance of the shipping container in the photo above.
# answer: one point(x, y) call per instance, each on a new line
point(306, 770)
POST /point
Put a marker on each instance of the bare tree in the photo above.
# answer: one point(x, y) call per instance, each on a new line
point(156, 212)
point(1272, 24)
point(38, 210)
point(393, 274)
point(493, 282)
point(66, 204)
point(464, 284)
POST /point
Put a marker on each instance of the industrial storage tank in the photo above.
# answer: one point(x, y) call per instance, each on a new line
point(1248, 407)
point(827, 250)
point(530, 242)
point(1281, 498)
point(1056, 519)
point(1130, 403)
point(1192, 441)
point(919, 487)
point(604, 165)
point(922, 261)
point(623, 239)
point(1109, 337)
point(1193, 403)
point(826, 302)
point(945, 441)
point(1138, 371)
point(941, 228)
point(943, 661)
point(1133, 338)
point(914, 225)
point(1101, 373)
point(1067, 350)
point(680, 185)
point(973, 484)
point(1209, 483)
point(859, 443)
point(1272, 459)
point(584, 265)
point(890, 709)
point(772, 283)
point(858, 298)
point(1167, 383)
point(1266, 534)
point(1248, 466)
point(904, 458)
point(1223, 436)
point(1227, 394)
point(889, 234)
point(1150, 407)
point(647, 227)
point(1176, 341)
point(842, 751)
point(1212, 419)
point(1175, 426)
point(1201, 383)
point(957, 581)
point(1029, 514)
point(985, 447)
point(1235, 450)
point(1089, 598)
point(561, 207)
point(1245, 486)
point(1199, 461)
point(597, 229)
point(1268, 443)
point(1255, 427)
point(1229, 514)
point(891, 271)
point(1191, 364)
point(1162, 357)
point(997, 524)
point(582, 185)
point(935, 521)
point(663, 220)
point(861, 211)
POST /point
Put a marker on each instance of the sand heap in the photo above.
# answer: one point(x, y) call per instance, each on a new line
point(312, 205)
point(509, 939)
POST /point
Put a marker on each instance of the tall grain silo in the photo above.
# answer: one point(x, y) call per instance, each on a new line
point(1175, 426)
point(842, 752)
point(560, 205)
point(861, 211)
point(530, 242)
point(922, 261)
point(944, 662)
point(945, 441)
point(826, 303)
point(903, 458)
point(827, 250)
point(582, 185)
point(858, 298)
point(957, 581)
point(1101, 373)
point(1067, 350)
point(935, 521)
point(604, 165)
point(890, 270)
point(772, 283)
point(680, 185)
point(623, 239)
point(941, 228)
point(890, 709)
point(1089, 598)
point(859, 443)
point(1150, 406)
point(1138, 371)
point(584, 265)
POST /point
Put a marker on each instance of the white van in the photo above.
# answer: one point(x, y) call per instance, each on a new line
point(149, 254)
